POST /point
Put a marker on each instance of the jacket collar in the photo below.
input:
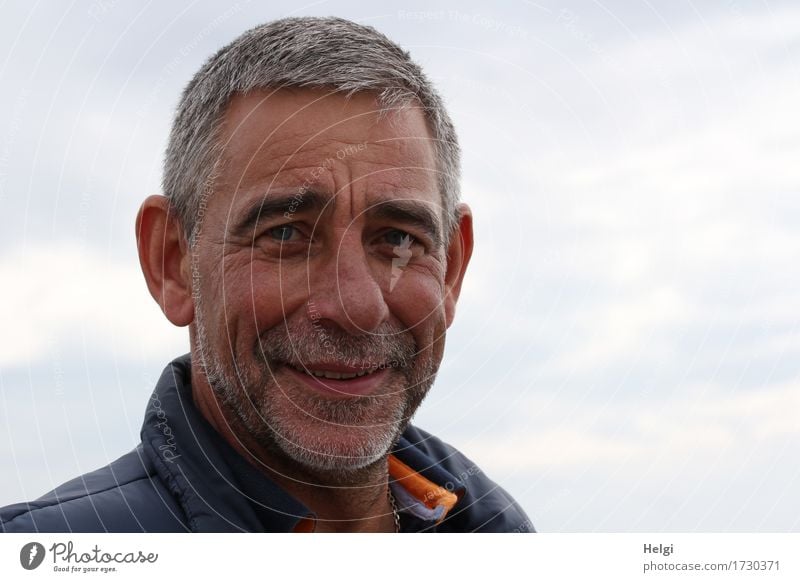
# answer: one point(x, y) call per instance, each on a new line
point(221, 491)
point(203, 472)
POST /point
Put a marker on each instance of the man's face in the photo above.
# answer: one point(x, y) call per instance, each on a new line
point(319, 274)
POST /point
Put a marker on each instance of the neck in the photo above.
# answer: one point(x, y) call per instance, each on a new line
point(354, 501)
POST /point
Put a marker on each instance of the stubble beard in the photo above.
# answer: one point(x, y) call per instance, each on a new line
point(335, 439)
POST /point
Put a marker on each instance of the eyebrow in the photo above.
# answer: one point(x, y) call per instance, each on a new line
point(275, 205)
point(411, 213)
point(405, 212)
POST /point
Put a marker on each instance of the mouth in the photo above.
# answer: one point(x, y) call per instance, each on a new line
point(333, 379)
point(334, 371)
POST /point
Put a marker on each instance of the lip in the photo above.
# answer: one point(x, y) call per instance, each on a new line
point(361, 386)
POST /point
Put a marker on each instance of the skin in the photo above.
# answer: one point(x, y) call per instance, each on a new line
point(333, 272)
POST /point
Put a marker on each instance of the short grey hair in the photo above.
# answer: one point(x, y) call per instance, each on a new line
point(299, 52)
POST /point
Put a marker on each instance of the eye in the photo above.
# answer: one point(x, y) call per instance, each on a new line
point(399, 238)
point(281, 233)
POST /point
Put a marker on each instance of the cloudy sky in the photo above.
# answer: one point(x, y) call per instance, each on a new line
point(626, 352)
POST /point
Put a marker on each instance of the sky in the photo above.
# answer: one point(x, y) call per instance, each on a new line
point(625, 356)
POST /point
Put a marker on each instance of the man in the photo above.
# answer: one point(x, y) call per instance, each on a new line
point(312, 240)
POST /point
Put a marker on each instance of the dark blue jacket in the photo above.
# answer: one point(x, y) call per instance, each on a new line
point(184, 477)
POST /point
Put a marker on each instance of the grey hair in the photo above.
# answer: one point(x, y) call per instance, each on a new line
point(299, 52)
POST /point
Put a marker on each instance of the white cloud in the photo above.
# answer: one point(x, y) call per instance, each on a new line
point(65, 294)
point(699, 424)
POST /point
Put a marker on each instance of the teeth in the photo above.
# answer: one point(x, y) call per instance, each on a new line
point(332, 375)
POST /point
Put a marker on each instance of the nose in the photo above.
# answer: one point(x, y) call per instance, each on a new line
point(343, 289)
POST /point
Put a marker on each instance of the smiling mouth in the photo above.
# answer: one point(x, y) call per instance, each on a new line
point(338, 380)
point(334, 371)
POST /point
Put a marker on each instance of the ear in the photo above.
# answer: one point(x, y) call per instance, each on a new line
point(459, 253)
point(165, 261)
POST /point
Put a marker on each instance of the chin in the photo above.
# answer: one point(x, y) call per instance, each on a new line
point(312, 431)
point(324, 447)
point(337, 454)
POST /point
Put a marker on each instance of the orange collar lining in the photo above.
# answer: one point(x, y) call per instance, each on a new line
point(425, 490)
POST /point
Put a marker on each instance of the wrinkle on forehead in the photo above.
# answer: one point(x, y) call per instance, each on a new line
point(271, 133)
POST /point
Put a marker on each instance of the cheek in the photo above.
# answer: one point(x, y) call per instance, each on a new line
point(417, 302)
point(272, 294)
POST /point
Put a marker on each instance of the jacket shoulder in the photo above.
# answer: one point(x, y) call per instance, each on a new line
point(124, 496)
point(484, 506)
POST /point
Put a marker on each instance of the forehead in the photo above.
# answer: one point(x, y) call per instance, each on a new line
point(286, 131)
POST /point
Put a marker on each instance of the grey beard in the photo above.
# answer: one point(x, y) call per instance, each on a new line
point(251, 394)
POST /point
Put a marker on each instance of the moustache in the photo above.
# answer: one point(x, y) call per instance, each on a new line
point(305, 343)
